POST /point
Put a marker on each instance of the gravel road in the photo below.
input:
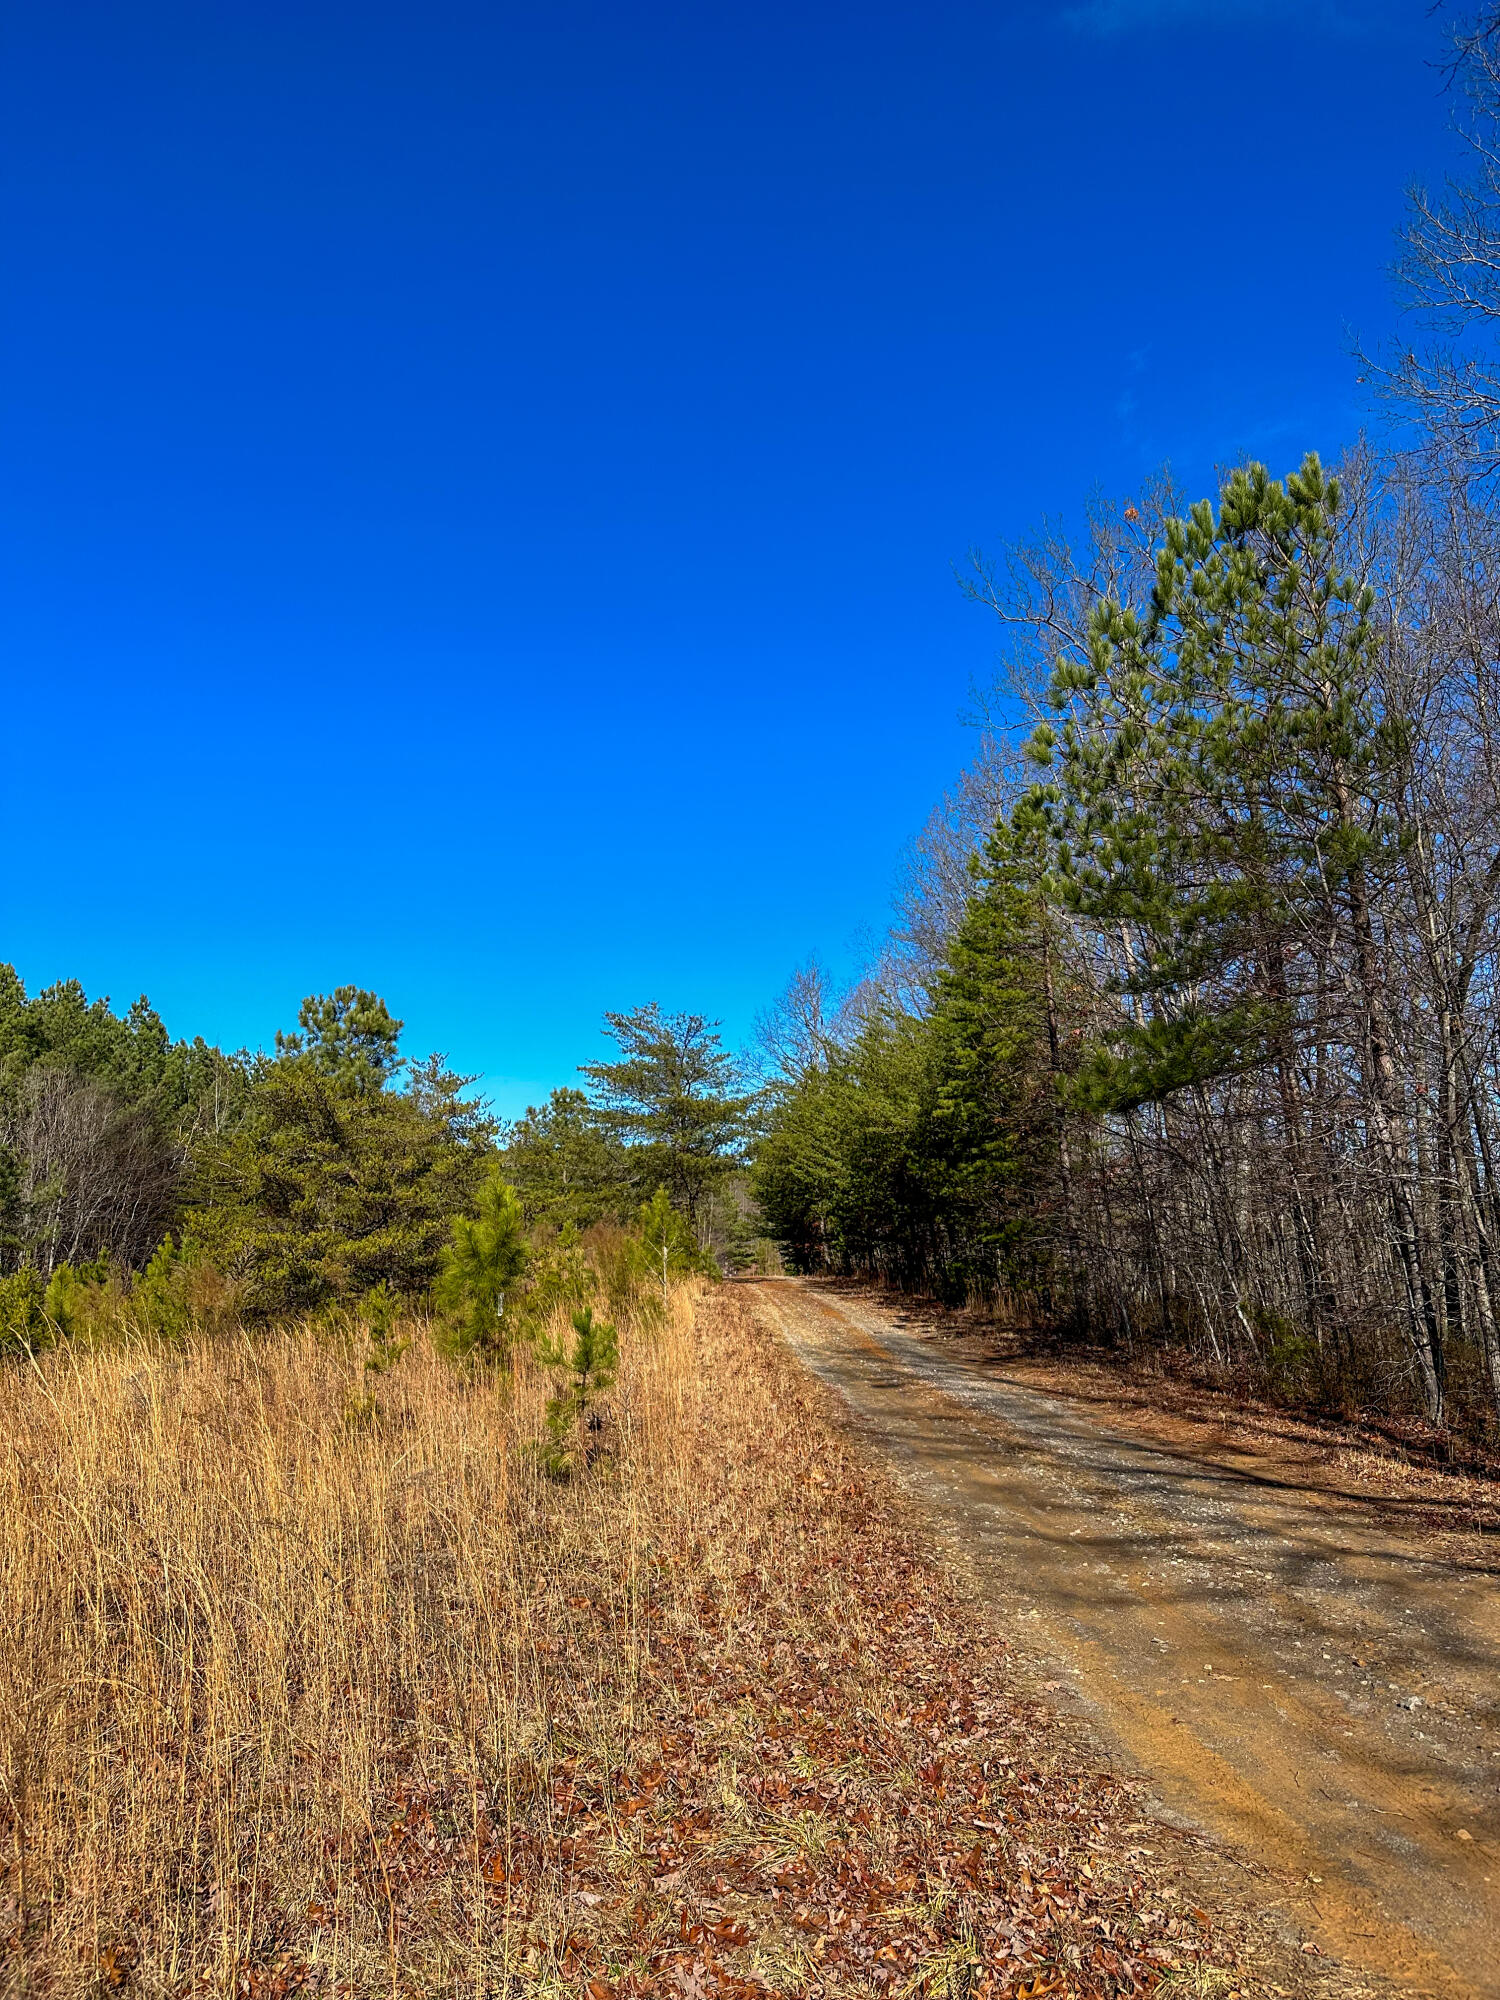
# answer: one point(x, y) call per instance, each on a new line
point(1313, 1687)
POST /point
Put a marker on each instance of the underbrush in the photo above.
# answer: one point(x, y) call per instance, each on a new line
point(313, 1681)
point(1367, 1388)
point(1291, 1378)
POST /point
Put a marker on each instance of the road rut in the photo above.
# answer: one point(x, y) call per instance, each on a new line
point(1292, 1675)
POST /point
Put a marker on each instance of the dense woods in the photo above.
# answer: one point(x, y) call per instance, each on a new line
point(1210, 1052)
point(1189, 1032)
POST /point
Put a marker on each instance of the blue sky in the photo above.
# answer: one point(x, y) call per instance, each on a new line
point(481, 484)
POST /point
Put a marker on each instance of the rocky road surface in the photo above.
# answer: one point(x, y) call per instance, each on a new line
point(1317, 1689)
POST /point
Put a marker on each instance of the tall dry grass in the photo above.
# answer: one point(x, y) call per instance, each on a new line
point(305, 1696)
point(247, 1619)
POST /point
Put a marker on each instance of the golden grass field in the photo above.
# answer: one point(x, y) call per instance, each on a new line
point(306, 1692)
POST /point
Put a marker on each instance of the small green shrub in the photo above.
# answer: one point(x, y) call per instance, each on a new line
point(591, 1367)
point(23, 1312)
point(67, 1300)
point(181, 1291)
point(482, 1264)
point(379, 1312)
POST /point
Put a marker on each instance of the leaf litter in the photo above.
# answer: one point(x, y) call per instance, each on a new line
point(835, 1784)
point(732, 1729)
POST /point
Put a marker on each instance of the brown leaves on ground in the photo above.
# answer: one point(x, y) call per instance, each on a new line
point(831, 1790)
point(709, 1723)
point(1399, 1466)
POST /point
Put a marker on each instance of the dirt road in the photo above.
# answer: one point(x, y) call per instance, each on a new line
point(1306, 1682)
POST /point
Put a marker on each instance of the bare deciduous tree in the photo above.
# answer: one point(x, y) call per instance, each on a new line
point(94, 1177)
point(1448, 377)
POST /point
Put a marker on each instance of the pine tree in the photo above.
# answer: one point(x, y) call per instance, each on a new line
point(673, 1099)
point(997, 1117)
point(349, 1035)
point(566, 1167)
point(669, 1248)
point(1209, 771)
point(591, 1365)
point(485, 1258)
point(329, 1187)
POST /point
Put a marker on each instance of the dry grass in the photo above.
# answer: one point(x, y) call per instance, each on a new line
point(300, 1695)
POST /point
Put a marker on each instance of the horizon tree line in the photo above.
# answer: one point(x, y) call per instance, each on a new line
point(205, 1187)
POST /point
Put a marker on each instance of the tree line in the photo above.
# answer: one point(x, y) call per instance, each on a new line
point(1191, 1030)
point(162, 1185)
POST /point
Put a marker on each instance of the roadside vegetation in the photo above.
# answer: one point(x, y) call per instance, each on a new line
point(313, 1681)
point(153, 1189)
point(1190, 1035)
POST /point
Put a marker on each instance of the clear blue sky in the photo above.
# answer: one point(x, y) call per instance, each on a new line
point(481, 483)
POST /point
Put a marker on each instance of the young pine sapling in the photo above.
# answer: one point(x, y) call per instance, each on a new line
point(591, 1365)
point(484, 1259)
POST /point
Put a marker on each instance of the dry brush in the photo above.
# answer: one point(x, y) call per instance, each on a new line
point(307, 1689)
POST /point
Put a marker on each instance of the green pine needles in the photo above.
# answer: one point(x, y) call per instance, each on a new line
point(484, 1260)
point(1216, 776)
point(574, 1425)
point(668, 1246)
